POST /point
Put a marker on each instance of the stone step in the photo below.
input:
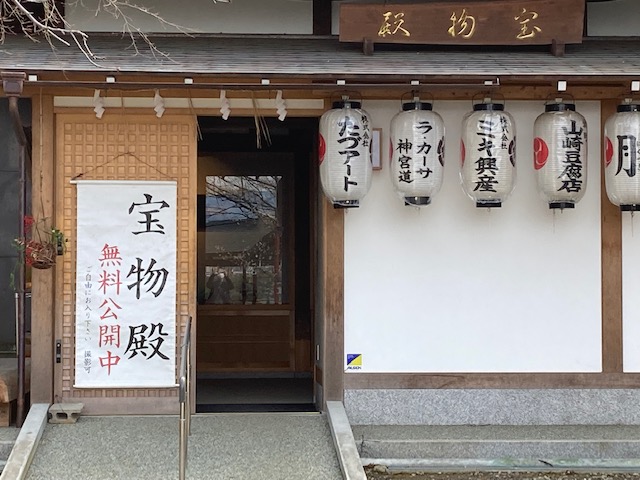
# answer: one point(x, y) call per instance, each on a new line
point(5, 449)
point(505, 444)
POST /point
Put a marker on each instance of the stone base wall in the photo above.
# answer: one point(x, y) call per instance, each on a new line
point(493, 407)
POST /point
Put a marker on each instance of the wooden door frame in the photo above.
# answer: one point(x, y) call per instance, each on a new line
point(331, 301)
point(307, 116)
point(261, 163)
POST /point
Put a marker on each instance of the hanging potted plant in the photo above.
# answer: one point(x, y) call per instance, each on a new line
point(40, 244)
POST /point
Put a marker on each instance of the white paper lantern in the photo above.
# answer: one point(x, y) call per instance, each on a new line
point(621, 155)
point(345, 154)
point(560, 155)
point(488, 154)
point(417, 153)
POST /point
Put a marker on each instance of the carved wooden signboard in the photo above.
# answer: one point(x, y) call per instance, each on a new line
point(462, 22)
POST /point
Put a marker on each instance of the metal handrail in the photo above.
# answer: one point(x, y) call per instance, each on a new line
point(185, 399)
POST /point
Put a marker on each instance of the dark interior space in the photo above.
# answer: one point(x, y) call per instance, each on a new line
point(233, 382)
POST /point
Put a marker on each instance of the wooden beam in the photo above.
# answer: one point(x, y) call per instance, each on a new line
point(332, 290)
point(611, 258)
point(557, 48)
point(42, 283)
point(521, 89)
point(322, 17)
point(359, 381)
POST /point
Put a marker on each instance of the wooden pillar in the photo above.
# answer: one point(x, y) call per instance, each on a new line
point(332, 279)
point(611, 232)
point(322, 17)
point(42, 282)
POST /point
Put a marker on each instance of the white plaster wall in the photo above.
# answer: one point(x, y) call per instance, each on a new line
point(453, 288)
point(202, 16)
point(630, 292)
point(613, 18)
point(617, 17)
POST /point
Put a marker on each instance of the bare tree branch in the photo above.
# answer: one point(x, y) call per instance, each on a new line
point(124, 10)
point(31, 26)
point(43, 19)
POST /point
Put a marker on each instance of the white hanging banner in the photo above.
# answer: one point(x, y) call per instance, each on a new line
point(126, 284)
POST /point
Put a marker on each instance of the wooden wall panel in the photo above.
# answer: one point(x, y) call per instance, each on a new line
point(244, 341)
point(122, 147)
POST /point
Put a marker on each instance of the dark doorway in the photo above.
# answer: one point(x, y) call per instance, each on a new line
point(255, 265)
point(10, 193)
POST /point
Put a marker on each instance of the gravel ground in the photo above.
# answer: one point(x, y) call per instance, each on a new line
point(380, 473)
point(253, 446)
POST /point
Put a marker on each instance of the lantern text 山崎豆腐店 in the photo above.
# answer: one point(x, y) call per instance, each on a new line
point(560, 154)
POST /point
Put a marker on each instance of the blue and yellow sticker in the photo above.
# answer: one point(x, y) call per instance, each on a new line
point(354, 361)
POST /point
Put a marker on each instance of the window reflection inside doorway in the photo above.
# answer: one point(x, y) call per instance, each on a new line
point(244, 244)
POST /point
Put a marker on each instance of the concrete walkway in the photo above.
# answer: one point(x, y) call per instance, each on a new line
point(221, 446)
point(302, 446)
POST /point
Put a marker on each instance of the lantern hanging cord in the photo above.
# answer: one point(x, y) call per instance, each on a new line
point(345, 95)
point(559, 97)
point(487, 97)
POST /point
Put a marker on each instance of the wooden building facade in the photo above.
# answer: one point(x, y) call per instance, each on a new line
point(339, 294)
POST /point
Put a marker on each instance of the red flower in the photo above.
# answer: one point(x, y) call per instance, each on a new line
point(28, 222)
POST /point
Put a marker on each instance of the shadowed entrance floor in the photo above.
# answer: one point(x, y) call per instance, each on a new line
point(254, 395)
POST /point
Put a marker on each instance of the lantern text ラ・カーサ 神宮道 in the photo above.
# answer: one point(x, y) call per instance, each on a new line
point(416, 154)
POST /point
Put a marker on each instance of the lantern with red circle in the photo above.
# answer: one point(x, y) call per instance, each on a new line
point(417, 153)
point(560, 154)
point(345, 153)
point(488, 154)
point(621, 157)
